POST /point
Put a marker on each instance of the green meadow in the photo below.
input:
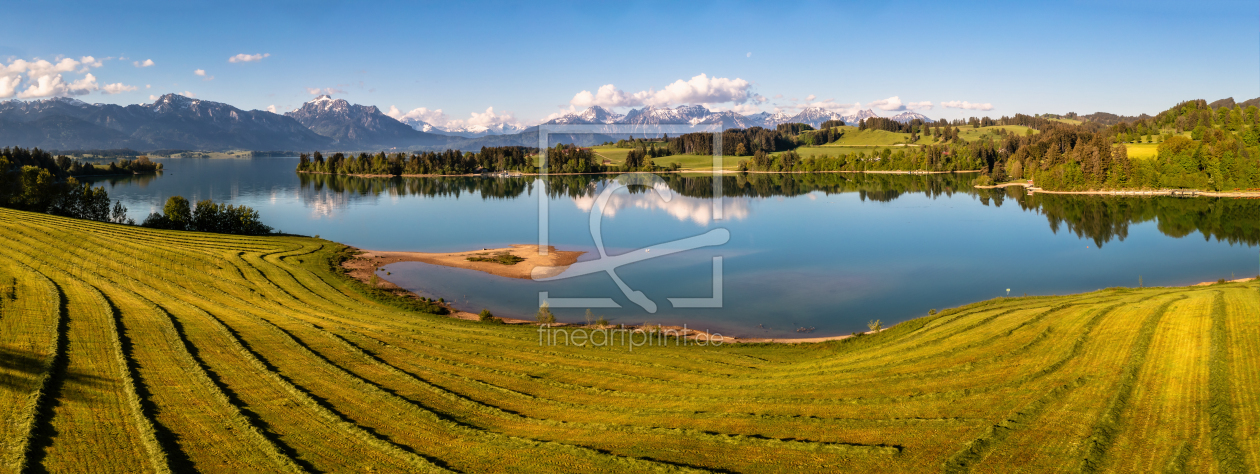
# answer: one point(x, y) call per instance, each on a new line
point(1142, 150)
point(140, 350)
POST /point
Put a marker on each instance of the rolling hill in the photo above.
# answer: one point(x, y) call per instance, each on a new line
point(163, 351)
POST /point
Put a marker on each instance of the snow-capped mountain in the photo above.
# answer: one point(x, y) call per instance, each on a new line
point(694, 115)
point(420, 125)
point(354, 125)
point(858, 117)
point(597, 114)
point(815, 116)
point(730, 119)
point(908, 116)
point(170, 122)
point(650, 115)
point(480, 130)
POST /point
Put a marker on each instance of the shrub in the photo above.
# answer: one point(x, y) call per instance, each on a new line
point(207, 216)
point(875, 325)
point(544, 314)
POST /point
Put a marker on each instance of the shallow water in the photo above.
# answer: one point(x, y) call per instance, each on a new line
point(828, 252)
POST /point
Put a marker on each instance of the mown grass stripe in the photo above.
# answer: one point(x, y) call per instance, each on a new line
point(1225, 449)
point(1109, 423)
point(33, 409)
point(190, 364)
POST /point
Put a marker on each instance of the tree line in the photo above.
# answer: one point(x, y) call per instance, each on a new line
point(492, 159)
point(1221, 154)
point(33, 180)
point(207, 216)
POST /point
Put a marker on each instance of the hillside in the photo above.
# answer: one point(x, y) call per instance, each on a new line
point(355, 126)
point(165, 351)
point(170, 122)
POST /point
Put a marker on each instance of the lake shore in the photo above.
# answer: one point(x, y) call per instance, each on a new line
point(557, 260)
point(514, 174)
point(1135, 192)
point(367, 263)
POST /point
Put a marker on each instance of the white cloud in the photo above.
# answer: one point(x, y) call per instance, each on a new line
point(438, 118)
point(117, 88)
point(954, 104)
point(45, 77)
point(202, 73)
point(700, 89)
point(90, 62)
point(606, 96)
point(189, 95)
point(145, 63)
point(561, 113)
point(742, 109)
point(491, 119)
point(925, 105)
point(750, 54)
point(54, 86)
point(891, 104)
point(271, 108)
point(9, 85)
point(153, 97)
point(828, 104)
point(147, 86)
point(326, 90)
point(248, 58)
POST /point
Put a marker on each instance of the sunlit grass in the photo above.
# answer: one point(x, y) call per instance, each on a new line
point(146, 350)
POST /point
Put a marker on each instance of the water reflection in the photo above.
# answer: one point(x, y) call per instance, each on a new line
point(1102, 219)
point(138, 180)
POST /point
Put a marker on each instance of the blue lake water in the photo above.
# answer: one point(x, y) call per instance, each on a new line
point(828, 252)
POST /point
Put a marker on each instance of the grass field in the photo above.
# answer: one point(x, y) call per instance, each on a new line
point(689, 162)
point(128, 349)
point(1142, 150)
point(834, 151)
point(854, 137)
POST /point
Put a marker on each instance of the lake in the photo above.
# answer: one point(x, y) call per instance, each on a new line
point(807, 255)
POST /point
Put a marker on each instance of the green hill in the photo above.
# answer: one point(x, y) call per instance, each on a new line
point(143, 350)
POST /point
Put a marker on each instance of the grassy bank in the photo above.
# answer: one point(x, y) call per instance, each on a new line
point(148, 350)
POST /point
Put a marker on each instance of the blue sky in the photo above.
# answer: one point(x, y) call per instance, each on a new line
point(531, 60)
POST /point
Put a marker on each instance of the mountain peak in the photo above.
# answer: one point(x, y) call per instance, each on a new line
point(354, 124)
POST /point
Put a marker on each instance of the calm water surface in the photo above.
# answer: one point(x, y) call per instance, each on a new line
point(828, 252)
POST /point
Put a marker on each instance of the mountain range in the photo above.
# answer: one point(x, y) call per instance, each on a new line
point(359, 126)
point(176, 122)
point(699, 115)
point(170, 122)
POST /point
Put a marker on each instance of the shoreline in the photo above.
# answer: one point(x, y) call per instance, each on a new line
point(709, 171)
point(1135, 192)
point(366, 263)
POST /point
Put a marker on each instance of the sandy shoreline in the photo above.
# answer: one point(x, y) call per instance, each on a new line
point(557, 260)
point(366, 263)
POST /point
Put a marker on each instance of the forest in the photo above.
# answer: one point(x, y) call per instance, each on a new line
point(34, 180)
point(1198, 148)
